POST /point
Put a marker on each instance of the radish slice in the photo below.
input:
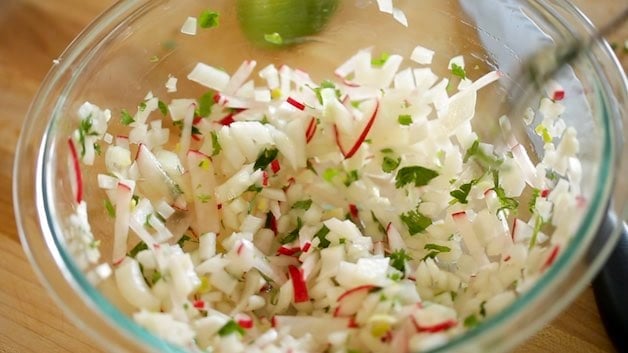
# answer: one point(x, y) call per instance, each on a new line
point(350, 301)
point(124, 194)
point(132, 286)
point(189, 26)
point(240, 76)
point(76, 181)
point(204, 184)
point(361, 137)
point(469, 238)
point(298, 283)
point(320, 327)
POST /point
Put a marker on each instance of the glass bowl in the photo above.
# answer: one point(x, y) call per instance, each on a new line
point(134, 47)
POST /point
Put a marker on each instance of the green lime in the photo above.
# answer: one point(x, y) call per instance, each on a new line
point(283, 22)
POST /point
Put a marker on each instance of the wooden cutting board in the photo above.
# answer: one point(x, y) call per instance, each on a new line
point(32, 34)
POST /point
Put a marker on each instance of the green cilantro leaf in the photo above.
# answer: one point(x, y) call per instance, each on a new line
point(389, 164)
point(398, 259)
point(415, 221)
point(205, 104)
point(183, 239)
point(137, 248)
point(379, 62)
point(435, 249)
point(230, 328)
point(265, 158)
point(111, 210)
point(292, 236)
point(208, 19)
point(351, 177)
point(471, 321)
point(458, 71)
point(216, 148)
point(329, 174)
point(506, 203)
point(536, 193)
point(142, 106)
point(163, 107)
point(418, 175)
point(461, 194)
point(405, 119)
point(302, 204)
point(126, 119)
point(322, 237)
point(325, 84)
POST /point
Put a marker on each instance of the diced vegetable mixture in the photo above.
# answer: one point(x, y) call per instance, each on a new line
point(357, 214)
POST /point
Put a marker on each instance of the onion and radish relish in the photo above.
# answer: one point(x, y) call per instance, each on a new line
point(358, 214)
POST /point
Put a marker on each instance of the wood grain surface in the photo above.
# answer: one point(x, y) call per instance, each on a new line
point(32, 34)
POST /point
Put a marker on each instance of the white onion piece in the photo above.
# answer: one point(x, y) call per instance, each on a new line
point(422, 55)
point(209, 77)
point(132, 286)
point(189, 26)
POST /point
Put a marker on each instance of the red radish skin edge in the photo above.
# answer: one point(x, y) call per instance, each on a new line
point(443, 326)
point(273, 223)
point(240, 248)
point(551, 258)
point(306, 247)
point(362, 136)
point(298, 284)
point(227, 120)
point(310, 131)
point(264, 178)
point(78, 176)
point(293, 102)
point(275, 166)
point(558, 95)
point(353, 209)
point(199, 304)
point(514, 227)
point(458, 214)
point(367, 287)
point(245, 323)
point(288, 251)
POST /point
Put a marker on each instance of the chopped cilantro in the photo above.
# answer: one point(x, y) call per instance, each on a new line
point(386, 150)
point(535, 195)
point(153, 59)
point(329, 174)
point(405, 119)
point(325, 84)
point(97, 149)
point(415, 221)
point(137, 248)
point(379, 62)
point(155, 277)
point(230, 328)
point(302, 204)
point(398, 259)
point(111, 211)
point(84, 130)
point(216, 148)
point(436, 247)
point(507, 203)
point(461, 194)
point(265, 158)
point(480, 156)
point(471, 321)
point(183, 239)
point(126, 119)
point(389, 164)
point(292, 236)
point(163, 107)
point(351, 177)
point(208, 19)
point(458, 71)
point(142, 106)
point(273, 38)
point(205, 104)
point(322, 237)
point(204, 198)
point(418, 175)
point(542, 131)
